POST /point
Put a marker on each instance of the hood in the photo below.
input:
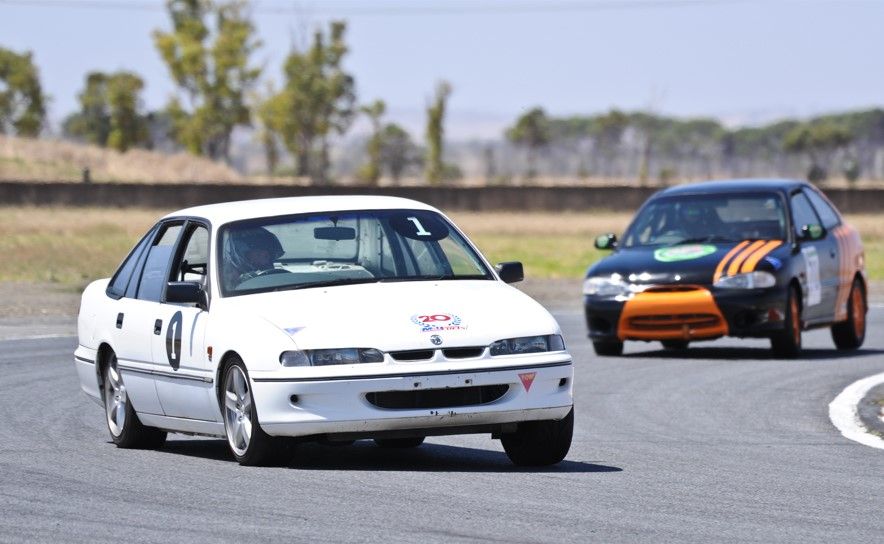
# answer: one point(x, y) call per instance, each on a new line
point(693, 264)
point(398, 316)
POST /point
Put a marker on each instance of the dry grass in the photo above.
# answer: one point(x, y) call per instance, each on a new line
point(72, 246)
point(25, 159)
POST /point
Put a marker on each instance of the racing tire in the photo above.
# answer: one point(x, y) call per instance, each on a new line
point(247, 441)
point(126, 430)
point(608, 347)
point(852, 333)
point(675, 345)
point(539, 443)
point(399, 443)
point(787, 342)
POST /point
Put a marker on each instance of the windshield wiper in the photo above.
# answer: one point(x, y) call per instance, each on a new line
point(707, 238)
point(327, 283)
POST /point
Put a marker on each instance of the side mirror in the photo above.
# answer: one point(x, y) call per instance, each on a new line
point(510, 272)
point(187, 292)
point(811, 232)
point(606, 241)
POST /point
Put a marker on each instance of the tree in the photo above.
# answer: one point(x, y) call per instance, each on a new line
point(317, 100)
point(435, 133)
point(22, 104)
point(817, 140)
point(110, 112)
point(370, 172)
point(531, 131)
point(211, 68)
point(397, 150)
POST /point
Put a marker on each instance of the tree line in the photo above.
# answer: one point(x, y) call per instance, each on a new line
point(209, 50)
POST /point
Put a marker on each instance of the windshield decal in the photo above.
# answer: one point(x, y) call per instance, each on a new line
point(683, 253)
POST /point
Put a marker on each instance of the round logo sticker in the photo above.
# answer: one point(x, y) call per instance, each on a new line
point(683, 253)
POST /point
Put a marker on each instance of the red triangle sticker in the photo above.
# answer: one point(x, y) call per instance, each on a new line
point(527, 379)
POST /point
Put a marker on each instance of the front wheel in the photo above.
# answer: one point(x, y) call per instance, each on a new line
point(539, 443)
point(248, 443)
point(125, 428)
point(852, 333)
point(787, 342)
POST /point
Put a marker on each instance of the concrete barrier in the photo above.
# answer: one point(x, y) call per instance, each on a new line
point(174, 196)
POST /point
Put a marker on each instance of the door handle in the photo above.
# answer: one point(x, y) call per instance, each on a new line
point(158, 326)
point(832, 253)
point(120, 320)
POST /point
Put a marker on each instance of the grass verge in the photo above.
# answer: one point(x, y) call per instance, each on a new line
point(72, 246)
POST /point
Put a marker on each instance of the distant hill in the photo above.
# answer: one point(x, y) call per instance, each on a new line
point(25, 159)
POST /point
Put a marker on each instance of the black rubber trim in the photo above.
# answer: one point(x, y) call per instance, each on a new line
point(412, 374)
point(84, 360)
point(166, 374)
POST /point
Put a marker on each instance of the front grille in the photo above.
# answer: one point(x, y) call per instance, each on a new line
point(412, 355)
point(673, 322)
point(449, 397)
point(671, 289)
point(463, 353)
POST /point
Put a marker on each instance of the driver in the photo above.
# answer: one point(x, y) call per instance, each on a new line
point(248, 253)
point(698, 220)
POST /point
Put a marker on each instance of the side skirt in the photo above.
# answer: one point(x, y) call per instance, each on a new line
point(183, 425)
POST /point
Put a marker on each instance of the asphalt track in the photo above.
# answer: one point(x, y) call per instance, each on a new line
point(720, 443)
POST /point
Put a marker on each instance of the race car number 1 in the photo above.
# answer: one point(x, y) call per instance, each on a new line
point(812, 265)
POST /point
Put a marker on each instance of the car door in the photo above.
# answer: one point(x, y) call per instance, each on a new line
point(831, 221)
point(185, 385)
point(820, 260)
point(133, 340)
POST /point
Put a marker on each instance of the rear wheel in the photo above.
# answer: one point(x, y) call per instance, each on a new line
point(851, 333)
point(787, 342)
point(675, 345)
point(539, 443)
point(608, 347)
point(248, 443)
point(399, 443)
point(125, 428)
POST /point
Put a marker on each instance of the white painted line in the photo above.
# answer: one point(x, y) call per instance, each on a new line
point(876, 305)
point(844, 415)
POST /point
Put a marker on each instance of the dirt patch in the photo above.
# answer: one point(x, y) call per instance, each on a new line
point(32, 300)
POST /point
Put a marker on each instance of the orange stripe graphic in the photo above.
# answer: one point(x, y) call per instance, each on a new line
point(752, 261)
point(738, 260)
point(727, 257)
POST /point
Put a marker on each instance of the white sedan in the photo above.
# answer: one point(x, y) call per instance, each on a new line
point(322, 318)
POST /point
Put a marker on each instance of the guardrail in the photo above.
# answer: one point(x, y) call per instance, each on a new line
point(174, 196)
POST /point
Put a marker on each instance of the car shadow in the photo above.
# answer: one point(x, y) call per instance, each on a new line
point(364, 455)
point(750, 353)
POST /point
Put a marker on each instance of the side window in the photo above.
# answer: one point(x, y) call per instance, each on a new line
point(156, 267)
point(824, 209)
point(802, 212)
point(193, 265)
point(124, 274)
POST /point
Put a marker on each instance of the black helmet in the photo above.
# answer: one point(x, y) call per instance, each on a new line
point(240, 242)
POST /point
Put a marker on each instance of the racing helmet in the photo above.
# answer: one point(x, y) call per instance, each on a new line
point(240, 242)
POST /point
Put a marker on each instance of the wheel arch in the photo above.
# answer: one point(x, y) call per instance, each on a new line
point(102, 357)
point(225, 361)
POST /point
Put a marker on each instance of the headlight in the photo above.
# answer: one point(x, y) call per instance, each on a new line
point(609, 286)
point(528, 344)
point(750, 280)
point(325, 357)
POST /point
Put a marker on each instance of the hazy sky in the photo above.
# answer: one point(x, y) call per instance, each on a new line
point(742, 61)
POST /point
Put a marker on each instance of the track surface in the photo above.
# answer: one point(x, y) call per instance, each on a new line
point(719, 443)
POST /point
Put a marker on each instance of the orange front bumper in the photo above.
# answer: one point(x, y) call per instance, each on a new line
point(676, 313)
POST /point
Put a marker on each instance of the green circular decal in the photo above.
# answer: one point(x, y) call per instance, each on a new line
point(683, 253)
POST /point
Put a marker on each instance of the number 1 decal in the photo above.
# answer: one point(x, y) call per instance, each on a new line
point(173, 340)
point(420, 228)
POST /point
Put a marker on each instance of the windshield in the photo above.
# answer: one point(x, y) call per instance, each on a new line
point(337, 248)
point(708, 218)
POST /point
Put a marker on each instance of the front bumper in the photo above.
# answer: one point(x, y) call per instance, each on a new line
point(749, 313)
point(342, 404)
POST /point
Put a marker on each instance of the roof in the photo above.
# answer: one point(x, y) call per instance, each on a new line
point(750, 185)
point(270, 207)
